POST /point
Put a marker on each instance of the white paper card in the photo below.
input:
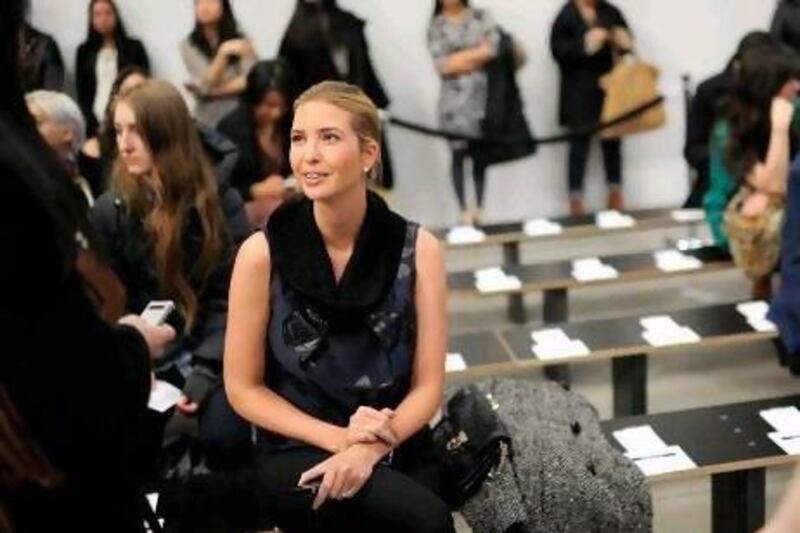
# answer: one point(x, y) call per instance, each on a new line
point(508, 283)
point(540, 227)
point(789, 443)
point(673, 459)
point(573, 348)
point(659, 323)
point(640, 441)
point(152, 499)
point(682, 335)
point(551, 336)
point(490, 273)
point(688, 215)
point(675, 260)
point(465, 235)
point(163, 396)
point(756, 309)
point(606, 272)
point(784, 420)
point(613, 219)
point(454, 362)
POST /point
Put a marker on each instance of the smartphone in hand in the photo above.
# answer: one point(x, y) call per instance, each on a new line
point(157, 311)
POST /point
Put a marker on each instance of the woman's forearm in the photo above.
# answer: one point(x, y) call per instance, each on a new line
point(466, 61)
point(776, 167)
point(267, 410)
point(215, 70)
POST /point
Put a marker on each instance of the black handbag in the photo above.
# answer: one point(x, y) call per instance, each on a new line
point(470, 442)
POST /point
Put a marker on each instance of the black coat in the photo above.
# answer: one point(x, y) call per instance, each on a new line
point(505, 116)
point(581, 98)
point(239, 126)
point(130, 52)
point(130, 254)
point(80, 385)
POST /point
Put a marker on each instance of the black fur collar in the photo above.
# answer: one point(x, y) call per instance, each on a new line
point(298, 253)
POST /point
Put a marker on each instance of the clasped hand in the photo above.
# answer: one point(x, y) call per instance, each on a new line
point(344, 473)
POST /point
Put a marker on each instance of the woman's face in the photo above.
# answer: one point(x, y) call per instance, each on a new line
point(208, 11)
point(271, 108)
point(326, 155)
point(449, 4)
point(790, 89)
point(104, 21)
point(132, 148)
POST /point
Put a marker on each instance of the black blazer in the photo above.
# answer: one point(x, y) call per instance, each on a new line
point(130, 52)
point(581, 98)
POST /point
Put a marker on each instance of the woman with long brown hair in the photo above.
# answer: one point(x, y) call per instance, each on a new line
point(169, 235)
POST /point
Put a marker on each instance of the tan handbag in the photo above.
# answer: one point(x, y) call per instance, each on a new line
point(630, 84)
point(755, 242)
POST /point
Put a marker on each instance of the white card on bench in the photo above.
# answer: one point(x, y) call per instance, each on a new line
point(675, 261)
point(573, 348)
point(784, 420)
point(163, 395)
point(612, 219)
point(465, 235)
point(672, 459)
point(591, 269)
point(540, 227)
point(508, 283)
point(491, 273)
point(550, 337)
point(454, 362)
point(659, 323)
point(790, 443)
point(763, 325)
point(756, 309)
point(688, 215)
point(639, 441)
point(682, 335)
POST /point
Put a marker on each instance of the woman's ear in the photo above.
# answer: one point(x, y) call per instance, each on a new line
point(370, 154)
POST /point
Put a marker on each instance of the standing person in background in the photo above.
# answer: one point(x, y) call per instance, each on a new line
point(785, 27)
point(40, 58)
point(585, 37)
point(69, 425)
point(106, 50)
point(324, 42)
point(260, 129)
point(218, 58)
point(462, 41)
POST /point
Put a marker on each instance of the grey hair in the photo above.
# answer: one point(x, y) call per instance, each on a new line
point(62, 110)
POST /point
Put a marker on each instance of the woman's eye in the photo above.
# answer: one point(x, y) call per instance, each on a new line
point(296, 139)
point(330, 137)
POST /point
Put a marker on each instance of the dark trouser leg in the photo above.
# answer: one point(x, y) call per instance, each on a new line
point(578, 155)
point(457, 170)
point(225, 437)
point(389, 502)
point(612, 161)
point(479, 176)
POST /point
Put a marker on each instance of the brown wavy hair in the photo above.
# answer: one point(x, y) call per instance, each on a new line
point(181, 190)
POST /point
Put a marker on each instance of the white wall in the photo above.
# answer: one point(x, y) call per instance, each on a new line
point(692, 36)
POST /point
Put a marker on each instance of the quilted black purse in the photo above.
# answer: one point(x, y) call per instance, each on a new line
point(470, 442)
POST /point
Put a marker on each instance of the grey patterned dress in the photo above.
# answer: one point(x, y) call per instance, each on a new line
point(462, 100)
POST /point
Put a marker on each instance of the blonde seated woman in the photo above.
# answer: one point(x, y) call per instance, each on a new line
point(336, 337)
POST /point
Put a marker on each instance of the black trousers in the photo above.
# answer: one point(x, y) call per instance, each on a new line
point(579, 155)
point(478, 175)
point(396, 499)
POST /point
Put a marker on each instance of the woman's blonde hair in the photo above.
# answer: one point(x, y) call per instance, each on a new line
point(183, 193)
point(365, 119)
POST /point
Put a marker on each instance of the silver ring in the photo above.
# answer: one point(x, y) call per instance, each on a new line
point(348, 494)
